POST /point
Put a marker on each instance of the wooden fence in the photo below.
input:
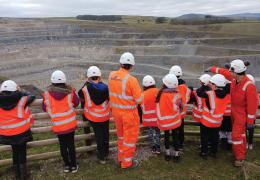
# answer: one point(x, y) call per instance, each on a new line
point(87, 136)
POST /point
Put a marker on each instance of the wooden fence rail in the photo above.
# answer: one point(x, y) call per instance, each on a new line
point(87, 136)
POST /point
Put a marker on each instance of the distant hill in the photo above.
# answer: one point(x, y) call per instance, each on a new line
point(245, 16)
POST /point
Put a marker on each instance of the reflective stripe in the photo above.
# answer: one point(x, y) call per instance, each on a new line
point(121, 96)
point(196, 115)
point(139, 99)
point(128, 145)
point(217, 70)
point(120, 138)
point(85, 89)
point(183, 113)
point(251, 116)
point(246, 84)
point(164, 117)
point(127, 159)
point(95, 114)
point(211, 100)
point(187, 95)
point(210, 120)
point(213, 115)
point(21, 106)
point(123, 106)
point(171, 124)
point(147, 112)
point(149, 119)
point(243, 135)
point(174, 102)
point(65, 121)
point(237, 142)
point(55, 115)
point(16, 125)
point(228, 111)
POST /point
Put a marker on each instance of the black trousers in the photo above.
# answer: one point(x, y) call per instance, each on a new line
point(209, 135)
point(226, 124)
point(250, 135)
point(181, 133)
point(175, 139)
point(19, 154)
point(101, 130)
point(67, 149)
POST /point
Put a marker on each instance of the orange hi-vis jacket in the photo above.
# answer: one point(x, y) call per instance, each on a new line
point(16, 120)
point(197, 109)
point(185, 94)
point(93, 112)
point(213, 117)
point(149, 116)
point(168, 111)
point(62, 113)
point(244, 97)
point(228, 109)
point(124, 91)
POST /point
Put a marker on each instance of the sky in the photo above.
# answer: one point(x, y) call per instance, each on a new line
point(169, 8)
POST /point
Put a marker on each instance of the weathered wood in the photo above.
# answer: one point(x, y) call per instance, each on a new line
point(48, 155)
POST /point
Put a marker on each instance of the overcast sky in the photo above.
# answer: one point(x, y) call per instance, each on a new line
point(171, 8)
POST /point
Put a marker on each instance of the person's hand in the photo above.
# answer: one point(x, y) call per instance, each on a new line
point(208, 69)
point(249, 126)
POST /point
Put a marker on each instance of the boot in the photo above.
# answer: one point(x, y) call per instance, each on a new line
point(23, 171)
point(16, 171)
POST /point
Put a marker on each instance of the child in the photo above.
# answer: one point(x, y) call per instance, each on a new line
point(214, 105)
point(95, 101)
point(59, 101)
point(149, 116)
point(196, 98)
point(168, 109)
point(15, 120)
point(185, 93)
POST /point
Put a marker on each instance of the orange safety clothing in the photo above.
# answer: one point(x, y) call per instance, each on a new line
point(228, 109)
point(149, 116)
point(16, 120)
point(197, 108)
point(185, 94)
point(62, 113)
point(93, 112)
point(125, 94)
point(212, 118)
point(168, 111)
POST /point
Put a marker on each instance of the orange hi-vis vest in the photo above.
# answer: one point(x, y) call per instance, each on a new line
point(149, 115)
point(228, 109)
point(185, 94)
point(93, 112)
point(168, 111)
point(124, 91)
point(197, 109)
point(213, 118)
point(62, 113)
point(16, 120)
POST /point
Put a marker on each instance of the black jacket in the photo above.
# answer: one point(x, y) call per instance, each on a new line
point(8, 101)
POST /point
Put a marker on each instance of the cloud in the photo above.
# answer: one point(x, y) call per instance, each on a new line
point(171, 8)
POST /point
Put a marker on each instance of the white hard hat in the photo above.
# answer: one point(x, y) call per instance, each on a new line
point(251, 78)
point(237, 66)
point(219, 80)
point(9, 85)
point(176, 70)
point(93, 71)
point(170, 80)
point(148, 81)
point(58, 77)
point(127, 58)
point(205, 78)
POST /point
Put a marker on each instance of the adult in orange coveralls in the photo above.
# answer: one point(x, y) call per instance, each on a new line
point(243, 105)
point(125, 94)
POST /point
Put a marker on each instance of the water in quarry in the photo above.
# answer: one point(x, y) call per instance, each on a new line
point(30, 50)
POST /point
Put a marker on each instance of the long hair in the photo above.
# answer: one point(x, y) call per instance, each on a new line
point(158, 97)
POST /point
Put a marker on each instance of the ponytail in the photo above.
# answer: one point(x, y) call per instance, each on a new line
point(158, 97)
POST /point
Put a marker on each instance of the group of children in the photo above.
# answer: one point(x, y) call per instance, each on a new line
point(163, 109)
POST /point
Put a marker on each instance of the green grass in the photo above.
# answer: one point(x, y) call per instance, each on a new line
point(190, 167)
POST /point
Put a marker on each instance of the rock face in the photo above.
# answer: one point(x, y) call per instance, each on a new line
point(31, 49)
